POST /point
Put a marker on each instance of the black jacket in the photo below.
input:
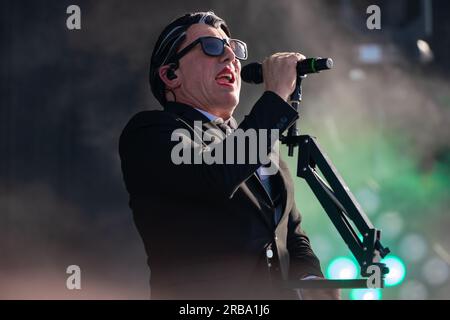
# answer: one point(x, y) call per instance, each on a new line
point(206, 228)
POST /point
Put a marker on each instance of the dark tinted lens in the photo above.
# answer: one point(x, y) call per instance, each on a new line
point(215, 47)
point(212, 46)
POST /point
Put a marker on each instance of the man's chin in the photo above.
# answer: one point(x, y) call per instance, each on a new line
point(229, 101)
point(229, 106)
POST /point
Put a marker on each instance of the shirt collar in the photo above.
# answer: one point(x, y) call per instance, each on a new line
point(210, 116)
point(231, 122)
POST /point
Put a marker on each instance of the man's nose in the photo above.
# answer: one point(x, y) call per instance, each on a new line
point(228, 54)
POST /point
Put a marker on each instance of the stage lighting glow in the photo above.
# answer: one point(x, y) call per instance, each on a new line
point(369, 200)
point(391, 224)
point(413, 247)
point(342, 268)
point(397, 271)
point(357, 74)
point(435, 271)
point(365, 294)
point(426, 55)
point(370, 53)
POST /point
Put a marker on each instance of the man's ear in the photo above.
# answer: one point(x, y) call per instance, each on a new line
point(168, 75)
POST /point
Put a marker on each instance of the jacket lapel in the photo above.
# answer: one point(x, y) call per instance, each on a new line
point(186, 112)
point(248, 188)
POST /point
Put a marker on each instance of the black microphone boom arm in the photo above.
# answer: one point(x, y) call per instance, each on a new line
point(343, 210)
point(339, 203)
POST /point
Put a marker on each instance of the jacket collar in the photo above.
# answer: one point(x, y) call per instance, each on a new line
point(185, 111)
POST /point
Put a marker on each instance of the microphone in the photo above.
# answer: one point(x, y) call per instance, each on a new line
point(252, 72)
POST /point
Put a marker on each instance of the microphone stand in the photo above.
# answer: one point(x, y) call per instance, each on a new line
point(296, 98)
point(340, 205)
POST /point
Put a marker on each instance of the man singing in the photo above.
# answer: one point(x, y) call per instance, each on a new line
point(222, 230)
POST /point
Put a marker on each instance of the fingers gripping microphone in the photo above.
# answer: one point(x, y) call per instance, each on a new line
point(252, 72)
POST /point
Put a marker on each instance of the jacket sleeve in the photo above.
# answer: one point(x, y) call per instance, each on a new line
point(303, 261)
point(146, 146)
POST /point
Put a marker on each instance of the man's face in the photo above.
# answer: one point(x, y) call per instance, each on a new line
point(203, 81)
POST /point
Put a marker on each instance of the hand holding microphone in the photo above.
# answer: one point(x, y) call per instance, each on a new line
point(279, 74)
point(279, 71)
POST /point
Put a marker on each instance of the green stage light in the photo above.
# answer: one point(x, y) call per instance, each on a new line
point(397, 271)
point(342, 268)
point(365, 294)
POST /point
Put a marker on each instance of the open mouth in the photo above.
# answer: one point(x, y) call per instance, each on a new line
point(225, 77)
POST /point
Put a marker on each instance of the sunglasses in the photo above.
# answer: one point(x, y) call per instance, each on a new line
point(215, 47)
